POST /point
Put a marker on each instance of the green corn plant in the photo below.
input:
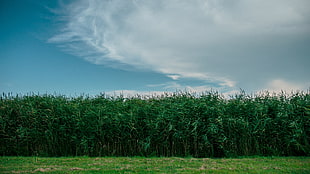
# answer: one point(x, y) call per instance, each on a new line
point(178, 124)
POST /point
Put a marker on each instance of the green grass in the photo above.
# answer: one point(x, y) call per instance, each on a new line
point(154, 165)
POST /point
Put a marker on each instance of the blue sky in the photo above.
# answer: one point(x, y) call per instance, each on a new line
point(134, 46)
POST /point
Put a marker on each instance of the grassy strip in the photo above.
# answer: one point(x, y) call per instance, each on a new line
point(154, 165)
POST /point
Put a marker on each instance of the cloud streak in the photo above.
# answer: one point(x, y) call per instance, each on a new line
point(233, 44)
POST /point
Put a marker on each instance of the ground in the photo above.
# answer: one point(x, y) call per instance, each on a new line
point(154, 165)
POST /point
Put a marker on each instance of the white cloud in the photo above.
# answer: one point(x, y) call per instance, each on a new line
point(135, 93)
point(278, 85)
point(174, 76)
point(230, 43)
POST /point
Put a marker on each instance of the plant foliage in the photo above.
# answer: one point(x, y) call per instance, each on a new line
point(181, 124)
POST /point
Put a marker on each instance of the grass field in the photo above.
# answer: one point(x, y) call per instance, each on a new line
point(154, 165)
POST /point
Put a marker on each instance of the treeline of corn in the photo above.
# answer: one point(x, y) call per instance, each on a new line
point(179, 124)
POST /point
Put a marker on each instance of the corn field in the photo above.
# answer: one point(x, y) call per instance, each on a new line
point(178, 124)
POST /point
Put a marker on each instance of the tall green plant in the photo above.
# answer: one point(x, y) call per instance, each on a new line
point(179, 124)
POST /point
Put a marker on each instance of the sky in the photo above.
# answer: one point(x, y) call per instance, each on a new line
point(74, 47)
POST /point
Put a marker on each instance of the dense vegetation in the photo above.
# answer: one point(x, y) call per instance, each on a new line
point(179, 124)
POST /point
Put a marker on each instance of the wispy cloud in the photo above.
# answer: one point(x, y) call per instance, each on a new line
point(234, 44)
point(277, 85)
